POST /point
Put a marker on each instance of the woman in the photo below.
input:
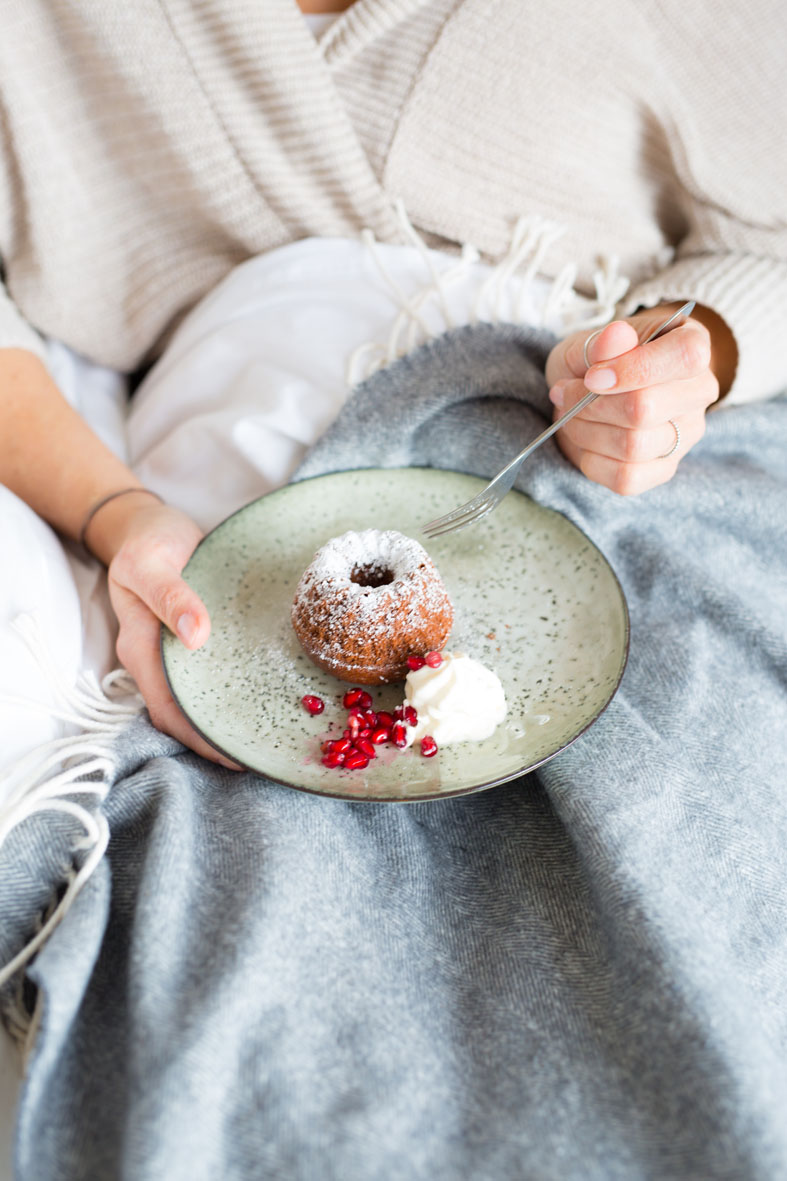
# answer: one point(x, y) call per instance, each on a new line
point(574, 975)
point(165, 150)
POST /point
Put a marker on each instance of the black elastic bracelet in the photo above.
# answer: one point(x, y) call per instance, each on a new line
point(100, 504)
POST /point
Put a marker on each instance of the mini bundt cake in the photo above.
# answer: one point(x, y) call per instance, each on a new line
point(366, 602)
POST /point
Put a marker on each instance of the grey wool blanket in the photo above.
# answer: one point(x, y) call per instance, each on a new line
point(579, 974)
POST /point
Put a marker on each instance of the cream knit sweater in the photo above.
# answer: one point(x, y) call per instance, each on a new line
point(148, 147)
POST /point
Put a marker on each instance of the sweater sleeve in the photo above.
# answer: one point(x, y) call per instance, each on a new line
point(15, 332)
point(725, 97)
point(750, 295)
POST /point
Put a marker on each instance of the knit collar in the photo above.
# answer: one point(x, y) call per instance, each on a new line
point(360, 24)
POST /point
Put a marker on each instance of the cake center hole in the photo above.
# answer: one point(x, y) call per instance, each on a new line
point(371, 576)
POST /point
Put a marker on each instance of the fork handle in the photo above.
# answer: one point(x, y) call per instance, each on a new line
point(558, 423)
point(542, 438)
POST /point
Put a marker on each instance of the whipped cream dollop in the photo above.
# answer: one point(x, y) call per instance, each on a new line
point(459, 701)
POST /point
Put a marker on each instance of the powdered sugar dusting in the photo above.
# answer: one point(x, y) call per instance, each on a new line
point(366, 589)
point(384, 550)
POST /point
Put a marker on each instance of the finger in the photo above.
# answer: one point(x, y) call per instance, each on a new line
point(159, 585)
point(612, 340)
point(138, 648)
point(680, 354)
point(640, 409)
point(604, 344)
point(636, 446)
point(627, 479)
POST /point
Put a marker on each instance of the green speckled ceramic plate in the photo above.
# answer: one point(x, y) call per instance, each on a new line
point(533, 599)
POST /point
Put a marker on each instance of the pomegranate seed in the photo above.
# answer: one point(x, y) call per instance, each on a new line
point(415, 662)
point(341, 745)
point(312, 704)
point(355, 713)
point(355, 760)
point(399, 735)
point(434, 659)
point(370, 717)
point(385, 719)
point(365, 700)
point(365, 732)
point(411, 715)
point(352, 697)
point(398, 713)
point(333, 759)
point(428, 746)
point(355, 727)
point(381, 734)
point(366, 746)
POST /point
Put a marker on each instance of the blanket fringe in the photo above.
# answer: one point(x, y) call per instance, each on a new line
point(80, 764)
point(498, 300)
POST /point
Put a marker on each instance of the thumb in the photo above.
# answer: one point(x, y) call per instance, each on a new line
point(568, 359)
point(162, 589)
point(616, 338)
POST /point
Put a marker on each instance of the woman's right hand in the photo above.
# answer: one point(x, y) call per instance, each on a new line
point(146, 545)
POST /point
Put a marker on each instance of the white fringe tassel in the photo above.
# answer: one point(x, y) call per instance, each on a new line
point(46, 778)
point(503, 297)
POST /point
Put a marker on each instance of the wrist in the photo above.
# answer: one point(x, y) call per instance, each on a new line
point(723, 349)
point(109, 520)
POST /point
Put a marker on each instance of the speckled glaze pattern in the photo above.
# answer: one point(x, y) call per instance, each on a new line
point(534, 600)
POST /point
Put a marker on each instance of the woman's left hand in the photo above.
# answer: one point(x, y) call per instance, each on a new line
point(625, 440)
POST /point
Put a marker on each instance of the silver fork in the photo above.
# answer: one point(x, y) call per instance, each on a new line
point(489, 498)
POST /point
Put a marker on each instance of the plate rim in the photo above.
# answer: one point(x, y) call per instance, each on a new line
point(164, 633)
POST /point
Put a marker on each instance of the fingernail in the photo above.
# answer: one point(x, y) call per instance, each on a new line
point(600, 379)
point(187, 628)
point(557, 395)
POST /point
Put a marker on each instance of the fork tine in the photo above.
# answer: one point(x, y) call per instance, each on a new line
point(459, 519)
point(454, 515)
point(461, 510)
point(455, 526)
point(477, 501)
